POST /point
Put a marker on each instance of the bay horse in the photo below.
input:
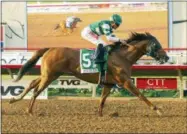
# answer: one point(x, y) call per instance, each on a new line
point(59, 61)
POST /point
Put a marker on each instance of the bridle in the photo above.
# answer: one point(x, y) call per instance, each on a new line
point(152, 48)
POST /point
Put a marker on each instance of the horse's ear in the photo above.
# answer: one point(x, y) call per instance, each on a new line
point(133, 34)
point(148, 34)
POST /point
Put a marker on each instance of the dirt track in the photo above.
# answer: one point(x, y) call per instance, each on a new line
point(79, 116)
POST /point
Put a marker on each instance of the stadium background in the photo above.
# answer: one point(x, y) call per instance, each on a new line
point(36, 31)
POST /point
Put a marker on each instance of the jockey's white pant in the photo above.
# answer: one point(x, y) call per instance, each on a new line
point(68, 25)
point(90, 36)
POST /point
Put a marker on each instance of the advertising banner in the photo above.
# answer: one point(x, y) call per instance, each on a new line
point(16, 58)
point(11, 89)
point(71, 7)
point(52, 9)
point(70, 82)
point(157, 83)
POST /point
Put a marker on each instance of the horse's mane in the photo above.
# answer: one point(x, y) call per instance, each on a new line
point(139, 37)
point(136, 37)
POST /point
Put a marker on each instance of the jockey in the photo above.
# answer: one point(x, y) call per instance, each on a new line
point(70, 23)
point(93, 33)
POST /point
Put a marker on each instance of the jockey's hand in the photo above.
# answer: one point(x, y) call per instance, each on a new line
point(123, 42)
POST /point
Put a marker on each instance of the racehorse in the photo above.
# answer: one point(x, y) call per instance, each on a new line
point(59, 61)
point(64, 29)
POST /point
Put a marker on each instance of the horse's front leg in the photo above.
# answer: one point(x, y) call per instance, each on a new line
point(105, 93)
point(132, 88)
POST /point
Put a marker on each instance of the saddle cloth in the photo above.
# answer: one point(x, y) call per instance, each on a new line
point(87, 64)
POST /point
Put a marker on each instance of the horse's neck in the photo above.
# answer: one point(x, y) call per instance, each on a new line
point(133, 55)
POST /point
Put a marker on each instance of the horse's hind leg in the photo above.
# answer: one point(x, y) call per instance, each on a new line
point(105, 93)
point(32, 85)
point(130, 86)
point(31, 101)
point(45, 81)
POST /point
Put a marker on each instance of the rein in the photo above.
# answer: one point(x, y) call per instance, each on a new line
point(134, 47)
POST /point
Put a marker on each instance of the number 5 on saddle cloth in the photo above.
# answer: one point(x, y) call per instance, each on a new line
point(89, 65)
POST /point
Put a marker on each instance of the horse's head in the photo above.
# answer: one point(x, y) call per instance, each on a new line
point(153, 47)
point(155, 50)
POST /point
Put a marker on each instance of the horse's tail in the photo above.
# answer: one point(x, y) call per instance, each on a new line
point(30, 63)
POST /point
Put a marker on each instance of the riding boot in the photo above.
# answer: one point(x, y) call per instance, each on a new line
point(100, 61)
point(102, 74)
point(99, 54)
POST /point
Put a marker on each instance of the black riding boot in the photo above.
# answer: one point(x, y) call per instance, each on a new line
point(99, 54)
point(99, 59)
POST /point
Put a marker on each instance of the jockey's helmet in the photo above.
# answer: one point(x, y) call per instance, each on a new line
point(116, 18)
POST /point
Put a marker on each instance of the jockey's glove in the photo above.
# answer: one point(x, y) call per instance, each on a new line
point(123, 42)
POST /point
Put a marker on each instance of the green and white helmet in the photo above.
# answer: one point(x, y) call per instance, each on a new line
point(116, 18)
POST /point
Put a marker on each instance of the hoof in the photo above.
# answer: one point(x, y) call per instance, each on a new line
point(100, 114)
point(12, 100)
point(159, 111)
point(29, 112)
